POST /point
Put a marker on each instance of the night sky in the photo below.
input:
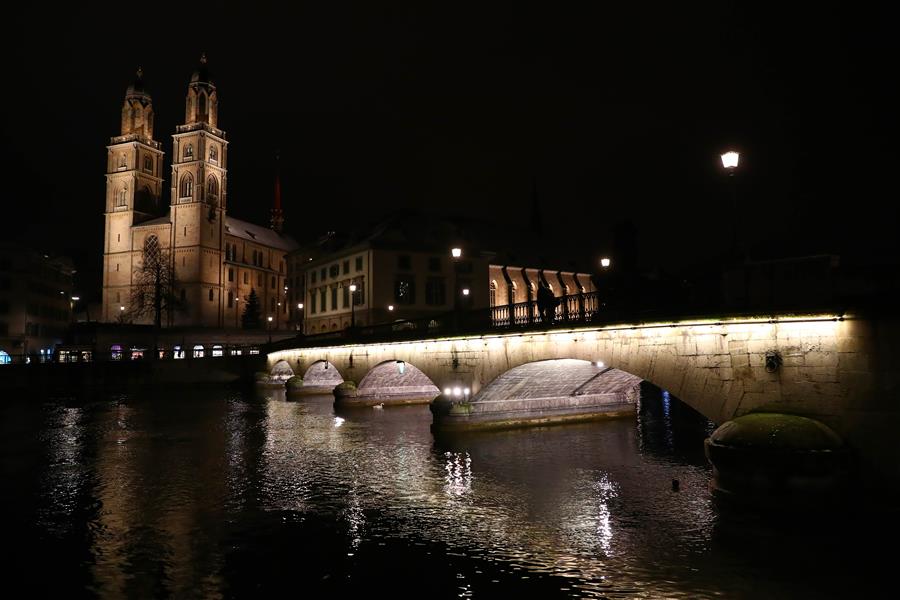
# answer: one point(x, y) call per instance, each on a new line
point(616, 114)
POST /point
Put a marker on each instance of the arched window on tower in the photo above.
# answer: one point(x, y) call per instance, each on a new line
point(122, 197)
point(187, 187)
point(148, 164)
point(493, 293)
point(212, 189)
point(189, 151)
point(213, 153)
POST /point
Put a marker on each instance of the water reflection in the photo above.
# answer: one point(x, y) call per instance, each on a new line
point(223, 493)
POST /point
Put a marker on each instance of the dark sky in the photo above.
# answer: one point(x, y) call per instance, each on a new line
point(617, 114)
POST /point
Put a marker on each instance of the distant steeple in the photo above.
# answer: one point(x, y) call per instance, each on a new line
point(137, 109)
point(277, 214)
point(202, 101)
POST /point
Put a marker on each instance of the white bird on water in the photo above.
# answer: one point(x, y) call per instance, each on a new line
point(379, 405)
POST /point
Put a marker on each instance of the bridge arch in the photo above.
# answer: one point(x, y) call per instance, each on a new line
point(281, 371)
point(321, 377)
point(393, 381)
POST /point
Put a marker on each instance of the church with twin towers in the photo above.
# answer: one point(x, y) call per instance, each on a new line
point(216, 259)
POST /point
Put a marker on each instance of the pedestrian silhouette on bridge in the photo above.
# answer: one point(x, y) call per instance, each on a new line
point(546, 302)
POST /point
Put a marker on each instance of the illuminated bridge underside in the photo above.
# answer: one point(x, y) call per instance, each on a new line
point(544, 392)
point(842, 372)
point(391, 382)
point(320, 378)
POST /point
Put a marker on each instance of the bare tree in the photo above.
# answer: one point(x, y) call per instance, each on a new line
point(153, 290)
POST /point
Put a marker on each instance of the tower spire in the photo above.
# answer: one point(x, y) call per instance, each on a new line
point(277, 214)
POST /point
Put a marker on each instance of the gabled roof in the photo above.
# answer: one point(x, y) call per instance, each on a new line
point(260, 235)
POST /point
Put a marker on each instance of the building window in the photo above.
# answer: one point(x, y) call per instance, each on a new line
point(334, 297)
point(122, 197)
point(322, 298)
point(198, 351)
point(189, 151)
point(273, 282)
point(359, 263)
point(493, 293)
point(323, 274)
point(434, 264)
point(435, 291)
point(210, 294)
point(404, 262)
point(346, 267)
point(271, 304)
point(334, 271)
point(217, 350)
point(230, 299)
point(187, 186)
point(405, 290)
point(148, 164)
point(230, 274)
point(212, 189)
point(259, 280)
point(246, 278)
point(115, 352)
point(312, 303)
point(213, 153)
point(345, 300)
point(312, 277)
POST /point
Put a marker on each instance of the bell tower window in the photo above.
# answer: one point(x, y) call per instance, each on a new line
point(123, 163)
point(122, 197)
point(187, 187)
point(189, 151)
point(212, 189)
point(148, 164)
point(213, 153)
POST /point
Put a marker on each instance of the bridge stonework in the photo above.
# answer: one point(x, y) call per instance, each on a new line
point(840, 371)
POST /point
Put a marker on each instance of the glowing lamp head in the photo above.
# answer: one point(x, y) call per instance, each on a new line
point(269, 319)
point(730, 160)
point(465, 291)
point(446, 391)
point(457, 391)
point(121, 308)
point(352, 287)
point(604, 262)
point(299, 306)
point(390, 307)
point(76, 298)
point(456, 252)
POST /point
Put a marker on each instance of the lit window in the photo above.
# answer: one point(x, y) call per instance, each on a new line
point(493, 293)
point(198, 351)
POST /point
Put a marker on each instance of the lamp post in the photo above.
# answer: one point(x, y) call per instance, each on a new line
point(300, 317)
point(269, 327)
point(730, 161)
point(352, 304)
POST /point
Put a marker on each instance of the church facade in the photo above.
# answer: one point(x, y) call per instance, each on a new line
point(215, 260)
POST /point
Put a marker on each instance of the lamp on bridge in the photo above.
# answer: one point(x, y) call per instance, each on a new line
point(730, 162)
point(352, 304)
point(269, 327)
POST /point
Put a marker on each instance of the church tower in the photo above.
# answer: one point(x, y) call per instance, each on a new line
point(199, 163)
point(134, 182)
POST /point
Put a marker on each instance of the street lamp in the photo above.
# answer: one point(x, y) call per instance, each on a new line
point(730, 161)
point(604, 262)
point(352, 304)
point(456, 252)
point(269, 328)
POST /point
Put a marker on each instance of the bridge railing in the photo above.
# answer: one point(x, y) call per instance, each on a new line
point(577, 309)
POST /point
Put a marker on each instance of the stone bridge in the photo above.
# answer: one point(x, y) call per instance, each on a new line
point(841, 370)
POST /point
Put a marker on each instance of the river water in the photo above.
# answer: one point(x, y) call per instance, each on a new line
point(216, 492)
